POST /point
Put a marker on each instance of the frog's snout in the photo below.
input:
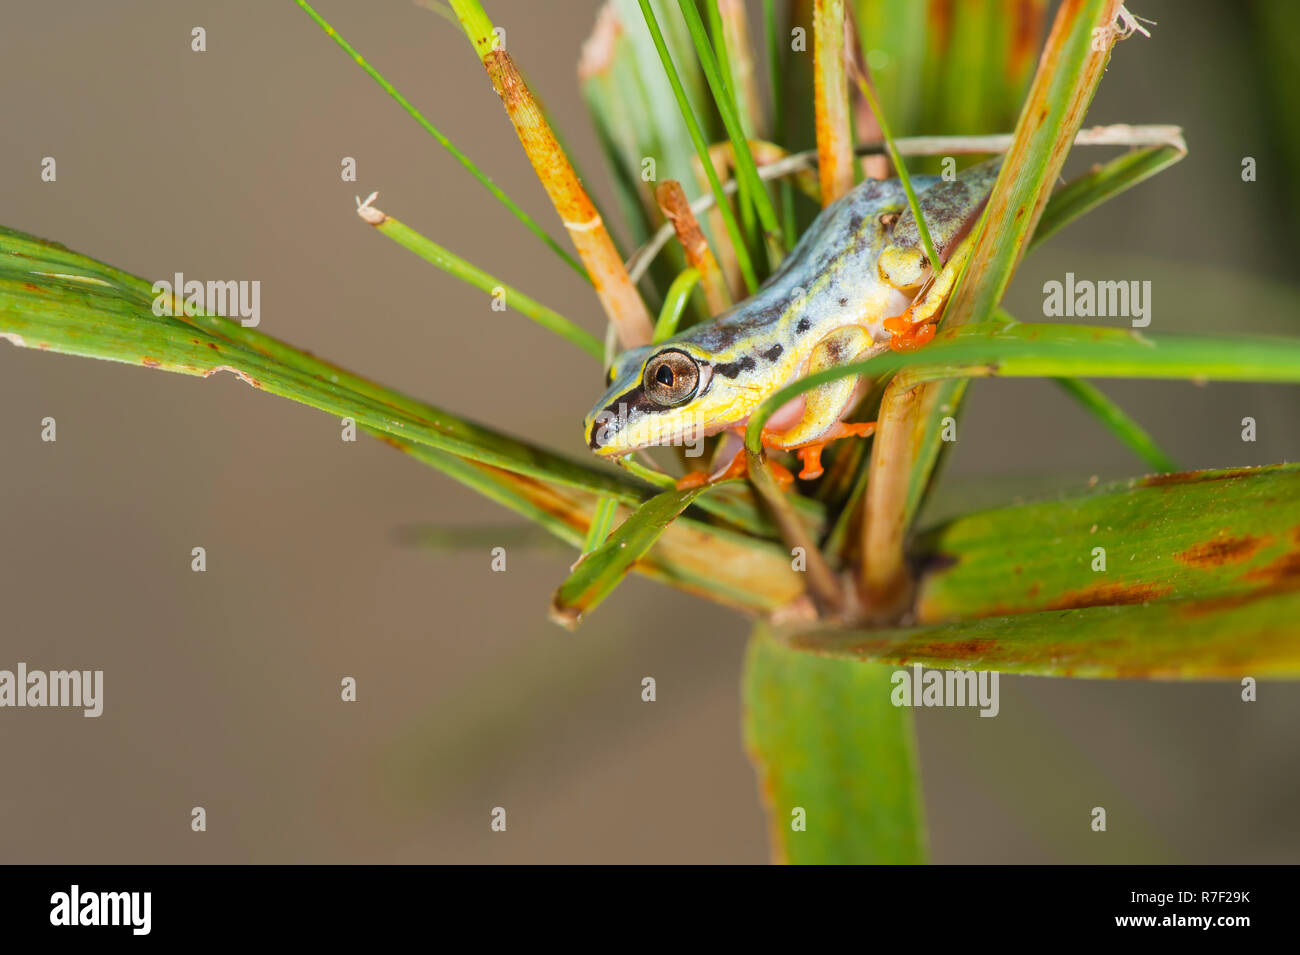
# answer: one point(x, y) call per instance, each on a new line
point(594, 437)
point(601, 429)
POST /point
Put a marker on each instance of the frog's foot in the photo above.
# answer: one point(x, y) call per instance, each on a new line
point(811, 454)
point(738, 467)
point(905, 335)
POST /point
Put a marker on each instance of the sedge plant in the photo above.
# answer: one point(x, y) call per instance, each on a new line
point(843, 583)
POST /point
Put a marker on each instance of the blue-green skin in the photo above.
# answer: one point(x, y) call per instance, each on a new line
point(860, 262)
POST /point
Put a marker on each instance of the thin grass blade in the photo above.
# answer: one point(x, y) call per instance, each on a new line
point(1095, 401)
point(453, 264)
point(679, 294)
point(446, 143)
point(746, 170)
point(739, 248)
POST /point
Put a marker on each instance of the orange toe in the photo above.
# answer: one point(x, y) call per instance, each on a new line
point(857, 429)
point(897, 325)
point(693, 480)
point(812, 461)
point(781, 473)
point(912, 339)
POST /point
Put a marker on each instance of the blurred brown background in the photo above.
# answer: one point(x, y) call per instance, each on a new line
point(222, 689)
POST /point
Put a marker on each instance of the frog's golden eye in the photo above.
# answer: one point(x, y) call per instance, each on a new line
point(609, 375)
point(671, 377)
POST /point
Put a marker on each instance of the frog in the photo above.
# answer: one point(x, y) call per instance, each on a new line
point(858, 282)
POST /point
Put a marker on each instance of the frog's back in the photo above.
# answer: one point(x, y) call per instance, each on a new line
point(828, 279)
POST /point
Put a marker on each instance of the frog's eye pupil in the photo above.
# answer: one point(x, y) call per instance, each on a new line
point(664, 376)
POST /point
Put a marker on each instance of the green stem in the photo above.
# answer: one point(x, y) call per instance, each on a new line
point(453, 264)
point(823, 586)
point(897, 159)
point(446, 143)
point(1120, 424)
point(679, 293)
point(476, 24)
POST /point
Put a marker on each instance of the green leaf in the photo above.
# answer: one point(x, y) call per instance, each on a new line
point(826, 739)
point(1214, 638)
point(892, 35)
point(601, 522)
point(900, 169)
point(956, 68)
point(1201, 580)
point(1200, 534)
point(795, 87)
point(648, 98)
point(986, 58)
point(57, 300)
point(725, 567)
point(1032, 350)
point(597, 574)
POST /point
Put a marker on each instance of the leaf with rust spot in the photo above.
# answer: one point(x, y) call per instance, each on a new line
point(1230, 637)
point(1202, 534)
point(1224, 550)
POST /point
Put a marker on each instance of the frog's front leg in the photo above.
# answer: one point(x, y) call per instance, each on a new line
point(820, 423)
point(950, 210)
point(916, 325)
